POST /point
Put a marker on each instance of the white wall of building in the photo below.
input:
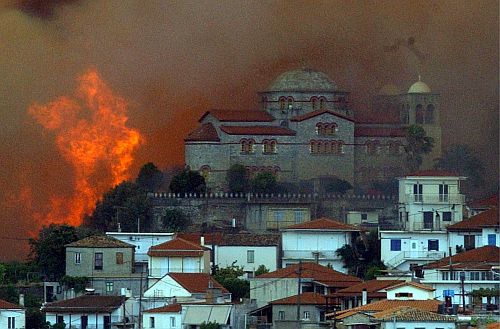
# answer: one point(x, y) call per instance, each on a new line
point(162, 320)
point(487, 232)
point(18, 315)
point(417, 294)
point(141, 241)
point(242, 256)
point(269, 289)
point(166, 287)
point(159, 266)
point(417, 325)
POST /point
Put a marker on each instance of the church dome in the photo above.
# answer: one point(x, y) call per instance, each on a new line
point(419, 87)
point(389, 90)
point(302, 80)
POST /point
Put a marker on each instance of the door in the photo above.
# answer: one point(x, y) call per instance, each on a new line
point(107, 322)
point(414, 248)
point(428, 219)
point(84, 321)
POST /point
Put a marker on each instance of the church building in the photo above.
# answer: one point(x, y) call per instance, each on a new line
point(306, 130)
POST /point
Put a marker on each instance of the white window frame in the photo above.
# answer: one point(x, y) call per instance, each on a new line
point(250, 256)
point(78, 258)
point(151, 322)
point(172, 321)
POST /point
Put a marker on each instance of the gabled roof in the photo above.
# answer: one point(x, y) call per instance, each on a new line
point(205, 133)
point(313, 114)
point(86, 304)
point(258, 130)
point(320, 274)
point(239, 116)
point(306, 298)
point(195, 237)
point(413, 284)
point(323, 224)
point(100, 241)
point(378, 132)
point(411, 314)
point(431, 173)
point(430, 305)
point(196, 282)
point(172, 308)
point(488, 218)
point(176, 248)
point(5, 305)
point(372, 287)
point(491, 201)
point(249, 239)
point(479, 258)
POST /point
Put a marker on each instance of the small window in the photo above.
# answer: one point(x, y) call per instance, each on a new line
point(109, 286)
point(307, 315)
point(395, 245)
point(119, 258)
point(78, 257)
point(172, 321)
point(250, 256)
point(419, 114)
point(404, 294)
point(322, 103)
point(365, 216)
point(469, 242)
point(11, 322)
point(433, 245)
point(446, 216)
point(282, 101)
point(299, 216)
point(98, 261)
point(492, 239)
point(281, 315)
point(60, 319)
point(314, 103)
point(151, 322)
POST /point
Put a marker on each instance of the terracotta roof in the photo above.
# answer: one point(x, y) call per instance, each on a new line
point(491, 201)
point(430, 173)
point(205, 133)
point(488, 218)
point(195, 237)
point(196, 282)
point(248, 239)
point(479, 258)
point(176, 248)
point(316, 272)
point(100, 241)
point(378, 132)
point(430, 305)
point(313, 114)
point(411, 314)
point(306, 298)
point(5, 305)
point(413, 284)
point(257, 130)
point(86, 304)
point(323, 224)
point(239, 116)
point(495, 325)
point(172, 308)
point(372, 287)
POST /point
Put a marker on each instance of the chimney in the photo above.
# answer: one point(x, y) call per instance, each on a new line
point(119, 227)
point(202, 241)
point(21, 300)
point(233, 222)
point(364, 297)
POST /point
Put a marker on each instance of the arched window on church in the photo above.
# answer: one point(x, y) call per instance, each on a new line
point(313, 147)
point(326, 128)
point(289, 102)
point(429, 114)
point(372, 147)
point(282, 101)
point(247, 146)
point(269, 146)
point(322, 103)
point(340, 147)
point(314, 103)
point(419, 114)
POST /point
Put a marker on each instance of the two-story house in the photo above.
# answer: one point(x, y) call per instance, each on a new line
point(317, 241)
point(12, 316)
point(107, 262)
point(429, 201)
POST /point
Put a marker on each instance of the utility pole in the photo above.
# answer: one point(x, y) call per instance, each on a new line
point(140, 300)
point(462, 283)
point(298, 292)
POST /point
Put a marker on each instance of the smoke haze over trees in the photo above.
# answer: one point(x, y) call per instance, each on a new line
point(173, 61)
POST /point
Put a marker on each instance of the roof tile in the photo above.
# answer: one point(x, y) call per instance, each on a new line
point(414, 284)
point(313, 114)
point(257, 130)
point(488, 218)
point(205, 133)
point(483, 257)
point(372, 288)
point(196, 282)
point(430, 305)
point(411, 314)
point(86, 304)
point(176, 248)
point(5, 305)
point(306, 298)
point(172, 308)
point(100, 241)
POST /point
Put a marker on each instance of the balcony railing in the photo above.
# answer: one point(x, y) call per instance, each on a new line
point(310, 254)
point(161, 271)
point(435, 198)
point(403, 256)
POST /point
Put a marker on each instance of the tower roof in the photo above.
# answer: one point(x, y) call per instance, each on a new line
point(419, 87)
point(302, 80)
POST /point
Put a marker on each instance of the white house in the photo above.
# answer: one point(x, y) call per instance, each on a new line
point(178, 255)
point(317, 240)
point(413, 318)
point(12, 316)
point(429, 201)
point(90, 311)
point(410, 291)
point(480, 230)
point(165, 317)
point(477, 266)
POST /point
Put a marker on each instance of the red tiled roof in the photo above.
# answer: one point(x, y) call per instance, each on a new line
point(239, 116)
point(411, 314)
point(378, 132)
point(323, 224)
point(172, 308)
point(195, 237)
point(205, 133)
point(196, 282)
point(257, 130)
point(306, 298)
point(478, 258)
point(86, 304)
point(413, 284)
point(5, 305)
point(430, 173)
point(430, 305)
point(488, 218)
point(491, 201)
point(100, 241)
point(316, 272)
point(372, 288)
point(176, 248)
point(312, 114)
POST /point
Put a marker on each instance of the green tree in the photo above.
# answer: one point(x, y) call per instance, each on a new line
point(337, 185)
point(261, 270)
point(210, 325)
point(174, 220)
point(149, 178)
point(188, 181)
point(264, 182)
point(79, 283)
point(418, 144)
point(47, 250)
point(229, 278)
point(461, 159)
point(237, 179)
point(127, 204)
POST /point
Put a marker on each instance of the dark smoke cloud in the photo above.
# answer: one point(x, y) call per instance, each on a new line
point(173, 60)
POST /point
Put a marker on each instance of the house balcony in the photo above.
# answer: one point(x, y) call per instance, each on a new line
point(421, 256)
point(312, 255)
point(429, 198)
point(158, 272)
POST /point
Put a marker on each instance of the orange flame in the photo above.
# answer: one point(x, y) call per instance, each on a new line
point(92, 135)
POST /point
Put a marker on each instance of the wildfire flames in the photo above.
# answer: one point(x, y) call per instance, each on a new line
point(91, 133)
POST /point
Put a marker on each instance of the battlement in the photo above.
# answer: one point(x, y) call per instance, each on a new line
point(252, 197)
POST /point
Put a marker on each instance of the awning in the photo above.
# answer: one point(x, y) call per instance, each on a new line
point(197, 314)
